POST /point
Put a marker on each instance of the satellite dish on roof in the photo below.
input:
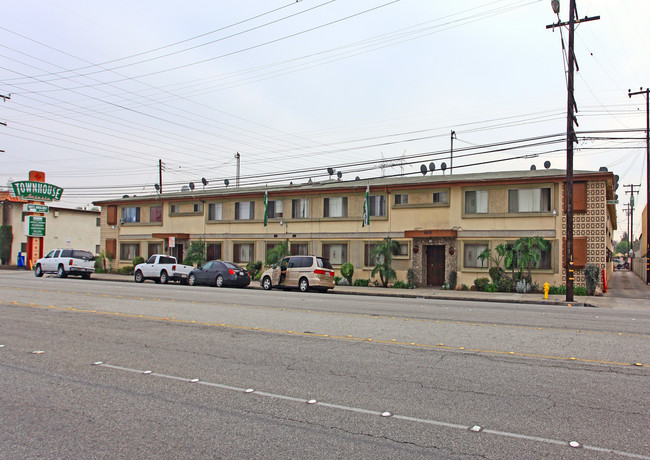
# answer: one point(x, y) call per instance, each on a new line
point(227, 182)
point(191, 185)
point(603, 169)
point(423, 169)
point(547, 164)
point(533, 167)
point(432, 166)
point(330, 171)
point(204, 181)
point(125, 196)
point(185, 188)
point(357, 178)
point(339, 175)
point(157, 186)
point(443, 166)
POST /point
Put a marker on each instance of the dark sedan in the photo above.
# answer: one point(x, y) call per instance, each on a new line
point(219, 273)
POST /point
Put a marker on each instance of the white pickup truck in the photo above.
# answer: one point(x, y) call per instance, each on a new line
point(66, 262)
point(161, 269)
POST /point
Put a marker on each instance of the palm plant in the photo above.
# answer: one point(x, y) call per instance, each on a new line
point(275, 254)
point(383, 254)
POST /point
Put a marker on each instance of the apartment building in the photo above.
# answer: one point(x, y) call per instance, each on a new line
point(441, 222)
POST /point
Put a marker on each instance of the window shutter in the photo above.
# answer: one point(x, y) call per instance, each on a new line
point(579, 197)
point(579, 252)
point(326, 207)
point(236, 211)
point(345, 206)
point(252, 210)
point(111, 247)
point(111, 218)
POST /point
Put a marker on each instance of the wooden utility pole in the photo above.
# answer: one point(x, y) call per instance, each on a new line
point(647, 170)
point(570, 135)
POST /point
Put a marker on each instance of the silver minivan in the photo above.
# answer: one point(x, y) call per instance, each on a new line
point(299, 272)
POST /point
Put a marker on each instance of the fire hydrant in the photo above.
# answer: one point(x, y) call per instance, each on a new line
point(546, 288)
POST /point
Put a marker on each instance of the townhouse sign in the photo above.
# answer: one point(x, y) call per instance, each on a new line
point(31, 190)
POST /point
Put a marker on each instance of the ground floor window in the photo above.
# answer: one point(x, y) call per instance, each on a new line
point(243, 253)
point(213, 251)
point(129, 251)
point(299, 249)
point(336, 253)
point(154, 248)
point(471, 251)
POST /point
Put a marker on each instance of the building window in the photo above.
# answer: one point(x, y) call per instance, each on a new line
point(155, 214)
point(476, 202)
point(275, 209)
point(377, 205)
point(213, 251)
point(335, 207)
point(245, 210)
point(403, 250)
point(215, 211)
point(529, 200)
point(299, 249)
point(401, 198)
point(336, 253)
point(97, 248)
point(129, 251)
point(471, 253)
point(441, 197)
point(131, 214)
point(154, 248)
point(198, 207)
point(300, 209)
point(369, 261)
point(243, 252)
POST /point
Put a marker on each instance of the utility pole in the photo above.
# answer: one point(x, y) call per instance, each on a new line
point(647, 170)
point(451, 153)
point(627, 227)
point(160, 170)
point(570, 134)
point(238, 157)
point(632, 192)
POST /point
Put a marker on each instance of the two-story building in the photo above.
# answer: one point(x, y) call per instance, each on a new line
point(442, 223)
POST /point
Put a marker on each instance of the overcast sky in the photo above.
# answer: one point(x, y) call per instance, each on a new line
point(100, 91)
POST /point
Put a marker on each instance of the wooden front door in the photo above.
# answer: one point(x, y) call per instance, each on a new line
point(435, 265)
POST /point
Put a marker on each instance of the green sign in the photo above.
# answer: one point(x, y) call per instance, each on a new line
point(31, 190)
point(34, 225)
point(30, 207)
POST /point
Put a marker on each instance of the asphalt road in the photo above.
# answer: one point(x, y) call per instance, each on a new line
point(390, 378)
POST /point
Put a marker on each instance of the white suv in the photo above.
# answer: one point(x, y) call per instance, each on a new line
point(66, 262)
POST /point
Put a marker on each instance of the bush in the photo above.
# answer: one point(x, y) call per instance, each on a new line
point(125, 270)
point(495, 274)
point(410, 277)
point(343, 282)
point(463, 287)
point(347, 270)
point(592, 274)
point(258, 275)
point(254, 268)
point(579, 290)
point(337, 279)
point(138, 260)
point(557, 290)
point(491, 288)
point(504, 284)
point(452, 279)
point(481, 283)
point(363, 283)
point(523, 286)
point(402, 285)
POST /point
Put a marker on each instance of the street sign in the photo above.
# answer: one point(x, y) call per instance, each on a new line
point(34, 225)
point(30, 207)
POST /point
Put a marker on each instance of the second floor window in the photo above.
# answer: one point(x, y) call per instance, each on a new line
point(155, 214)
point(529, 200)
point(300, 209)
point(215, 211)
point(377, 205)
point(245, 210)
point(335, 207)
point(131, 214)
point(441, 197)
point(401, 198)
point(274, 210)
point(476, 202)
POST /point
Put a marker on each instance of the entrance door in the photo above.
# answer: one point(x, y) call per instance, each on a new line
point(435, 265)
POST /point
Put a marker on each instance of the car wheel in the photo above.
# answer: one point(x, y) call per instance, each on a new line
point(38, 271)
point(61, 272)
point(164, 277)
point(266, 283)
point(191, 280)
point(303, 285)
point(139, 278)
point(86, 276)
point(219, 281)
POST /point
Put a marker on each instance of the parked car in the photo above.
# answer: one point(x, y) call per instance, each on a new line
point(66, 262)
point(219, 273)
point(161, 268)
point(300, 272)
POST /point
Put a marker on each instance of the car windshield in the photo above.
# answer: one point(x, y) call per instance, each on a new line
point(232, 266)
point(323, 263)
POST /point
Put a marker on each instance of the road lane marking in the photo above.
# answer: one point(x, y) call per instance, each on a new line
point(349, 337)
point(385, 414)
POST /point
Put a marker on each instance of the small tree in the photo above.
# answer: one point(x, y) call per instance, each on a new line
point(383, 253)
point(275, 255)
point(253, 268)
point(529, 253)
point(195, 254)
point(347, 270)
point(592, 274)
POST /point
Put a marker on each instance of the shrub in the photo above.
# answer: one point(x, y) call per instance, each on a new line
point(337, 279)
point(481, 283)
point(410, 277)
point(504, 284)
point(495, 274)
point(453, 278)
point(580, 290)
point(463, 287)
point(491, 288)
point(363, 283)
point(138, 260)
point(445, 286)
point(557, 290)
point(195, 254)
point(523, 286)
point(343, 282)
point(258, 275)
point(402, 285)
point(254, 268)
point(592, 274)
point(128, 270)
point(347, 270)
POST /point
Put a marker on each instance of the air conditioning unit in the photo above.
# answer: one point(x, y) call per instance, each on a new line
point(122, 220)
